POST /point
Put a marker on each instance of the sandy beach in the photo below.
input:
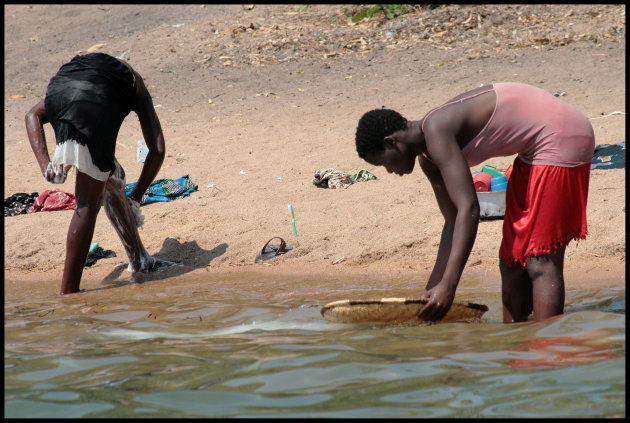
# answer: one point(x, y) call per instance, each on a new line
point(254, 99)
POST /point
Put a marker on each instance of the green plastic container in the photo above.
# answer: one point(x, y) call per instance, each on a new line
point(491, 170)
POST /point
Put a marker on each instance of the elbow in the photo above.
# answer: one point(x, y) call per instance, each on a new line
point(32, 123)
point(159, 148)
point(160, 153)
point(29, 119)
point(36, 115)
point(157, 156)
point(35, 118)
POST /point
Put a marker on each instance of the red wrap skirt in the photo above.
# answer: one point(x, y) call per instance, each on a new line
point(545, 208)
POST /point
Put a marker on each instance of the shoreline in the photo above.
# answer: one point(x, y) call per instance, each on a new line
point(606, 272)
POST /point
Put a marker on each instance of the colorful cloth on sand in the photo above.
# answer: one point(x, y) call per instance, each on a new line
point(609, 156)
point(162, 190)
point(336, 179)
point(53, 200)
point(19, 203)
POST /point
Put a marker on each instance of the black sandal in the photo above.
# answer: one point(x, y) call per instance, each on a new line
point(269, 251)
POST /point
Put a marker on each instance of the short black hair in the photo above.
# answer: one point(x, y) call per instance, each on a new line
point(373, 127)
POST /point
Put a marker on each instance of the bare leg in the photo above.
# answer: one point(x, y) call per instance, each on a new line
point(123, 220)
point(89, 193)
point(546, 274)
point(516, 292)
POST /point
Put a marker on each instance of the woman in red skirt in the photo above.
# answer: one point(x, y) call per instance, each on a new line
point(545, 199)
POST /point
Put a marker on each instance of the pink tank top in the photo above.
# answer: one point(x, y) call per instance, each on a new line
point(534, 124)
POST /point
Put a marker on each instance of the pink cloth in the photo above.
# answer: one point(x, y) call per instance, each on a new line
point(51, 200)
point(534, 124)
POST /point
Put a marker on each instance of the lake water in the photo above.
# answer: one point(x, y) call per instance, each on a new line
point(257, 346)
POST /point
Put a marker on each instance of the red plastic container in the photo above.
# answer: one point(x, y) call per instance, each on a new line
point(482, 181)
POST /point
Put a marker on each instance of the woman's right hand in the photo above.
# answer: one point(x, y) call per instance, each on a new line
point(56, 174)
point(439, 301)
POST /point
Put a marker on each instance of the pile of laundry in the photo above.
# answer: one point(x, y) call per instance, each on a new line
point(337, 179)
point(49, 200)
point(53, 200)
point(19, 203)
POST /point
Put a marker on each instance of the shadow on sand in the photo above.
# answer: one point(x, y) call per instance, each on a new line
point(194, 257)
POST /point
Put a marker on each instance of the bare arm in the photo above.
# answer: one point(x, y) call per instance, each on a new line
point(35, 120)
point(448, 211)
point(152, 132)
point(456, 197)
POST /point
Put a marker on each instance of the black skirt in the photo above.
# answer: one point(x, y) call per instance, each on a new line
point(87, 101)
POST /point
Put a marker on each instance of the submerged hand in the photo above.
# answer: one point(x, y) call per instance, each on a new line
point(439, 303)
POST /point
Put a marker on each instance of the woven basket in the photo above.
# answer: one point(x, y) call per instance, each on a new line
point(395, 310)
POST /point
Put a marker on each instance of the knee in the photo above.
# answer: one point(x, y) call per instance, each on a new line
point(89, 206)
point(87, 212)
point(544, 267)
point(536, 268)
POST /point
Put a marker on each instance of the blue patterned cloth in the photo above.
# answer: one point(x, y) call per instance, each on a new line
point(162, 190)
point(609, 156)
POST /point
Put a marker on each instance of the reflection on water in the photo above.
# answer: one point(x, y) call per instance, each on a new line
point(258, 347)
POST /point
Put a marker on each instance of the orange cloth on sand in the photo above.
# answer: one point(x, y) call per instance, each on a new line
point(545, 207)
